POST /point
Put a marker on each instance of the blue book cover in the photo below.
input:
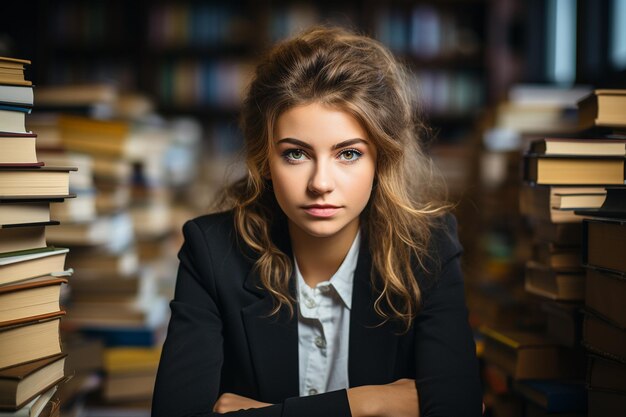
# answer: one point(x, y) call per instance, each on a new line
point(115, 337)
point(555, 396)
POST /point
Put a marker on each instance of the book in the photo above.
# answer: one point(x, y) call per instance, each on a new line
point(564, 323)
point(23, 237)
point(554, 284)
point(17, 148)
point(114, 232)
point(24, 212)
point(578, 199)
point(20, 95)
point(603, 338)
point(117, 314)
point(92, 136)
point(20, 384)
point(85, 354)
point(554, 396)
point(614, 205)
point(579, 146)
point(13, 118)
point(30, 264)
point(573, 170)
point(52, 407)
point(557, 256)
point(94, 261)
point(64, 97)
point(607, 374)
point(30, 339)
point(127, 336)
point(603, 244)
point(43, 182)
point(602, 108)
point(81, 209)
point(131, 359)
point(605, 403)
point(556, 204)
point(125, 386)
point(528, 355)
point(35, 408)
point(16, 75)
point(29, 298)
point(605, 293)
point(559, 233)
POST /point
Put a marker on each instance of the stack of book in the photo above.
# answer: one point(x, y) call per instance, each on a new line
point(32, 273)
point(604, 326)
point(603, 250)
point(120, 243)
point(536, 365)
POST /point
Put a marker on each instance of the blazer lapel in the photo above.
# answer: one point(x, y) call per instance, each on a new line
point(373, 346)
point(273, 341)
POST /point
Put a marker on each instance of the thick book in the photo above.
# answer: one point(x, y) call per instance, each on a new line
point(37, 406)
point(579, 146)
point(20, 384)
point(573, 170)
point(24, 212)
point(605, 294)
point(557, 203)
point(604, 338)
point(20, 95)
point(555, 284)
point(528, 355)
point(30, 264)
point(604, 373)
point(43, 182)
point(15, 73)
point(604, 242)
point(18, 148)
point(13, 118)
point(23, 237)
point(564, 323)
point(559, 233)
point(29, 298)
point(603, 403)
point(557, 256)
point(559, 396)
point(613, 207)
point(30, 339)
point(93, 136)
point(603, 107)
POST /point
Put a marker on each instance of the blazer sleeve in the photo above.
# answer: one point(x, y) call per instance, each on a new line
point(188, 378)
point(447, 376)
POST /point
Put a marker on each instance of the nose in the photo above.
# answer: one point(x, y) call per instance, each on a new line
point(321, 180)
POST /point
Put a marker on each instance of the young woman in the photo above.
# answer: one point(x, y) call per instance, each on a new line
point(332, 285)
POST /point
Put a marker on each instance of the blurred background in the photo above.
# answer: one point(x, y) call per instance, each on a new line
point(143, 97)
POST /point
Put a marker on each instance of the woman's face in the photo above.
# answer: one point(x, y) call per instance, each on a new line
point(322, 167)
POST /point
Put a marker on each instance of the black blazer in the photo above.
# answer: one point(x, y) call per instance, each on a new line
point(222, 339)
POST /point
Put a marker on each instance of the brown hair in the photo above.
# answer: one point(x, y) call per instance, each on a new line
point(358, 75)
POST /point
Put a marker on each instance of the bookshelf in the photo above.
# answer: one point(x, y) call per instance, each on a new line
point(195, 58)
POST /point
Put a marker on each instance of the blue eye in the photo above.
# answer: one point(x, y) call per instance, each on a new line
point(350, 155)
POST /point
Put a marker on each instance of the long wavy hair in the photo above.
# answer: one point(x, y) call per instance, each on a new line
point(358, 75)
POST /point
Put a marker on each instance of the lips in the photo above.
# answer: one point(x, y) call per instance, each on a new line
point(321, 210)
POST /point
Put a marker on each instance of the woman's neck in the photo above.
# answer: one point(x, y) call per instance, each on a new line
point(320, 257)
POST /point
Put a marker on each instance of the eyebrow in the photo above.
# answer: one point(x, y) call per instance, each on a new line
point(339, 145)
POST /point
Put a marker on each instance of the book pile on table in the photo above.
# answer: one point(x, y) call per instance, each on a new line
point(33, 276)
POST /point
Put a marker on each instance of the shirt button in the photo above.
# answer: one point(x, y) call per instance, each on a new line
point(309, 302)
point(312, 391)
point(320, 342)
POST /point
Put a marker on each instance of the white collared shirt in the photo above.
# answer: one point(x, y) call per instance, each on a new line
point(324, 327)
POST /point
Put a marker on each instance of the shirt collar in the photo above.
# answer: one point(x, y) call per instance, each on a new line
point(342, 281)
